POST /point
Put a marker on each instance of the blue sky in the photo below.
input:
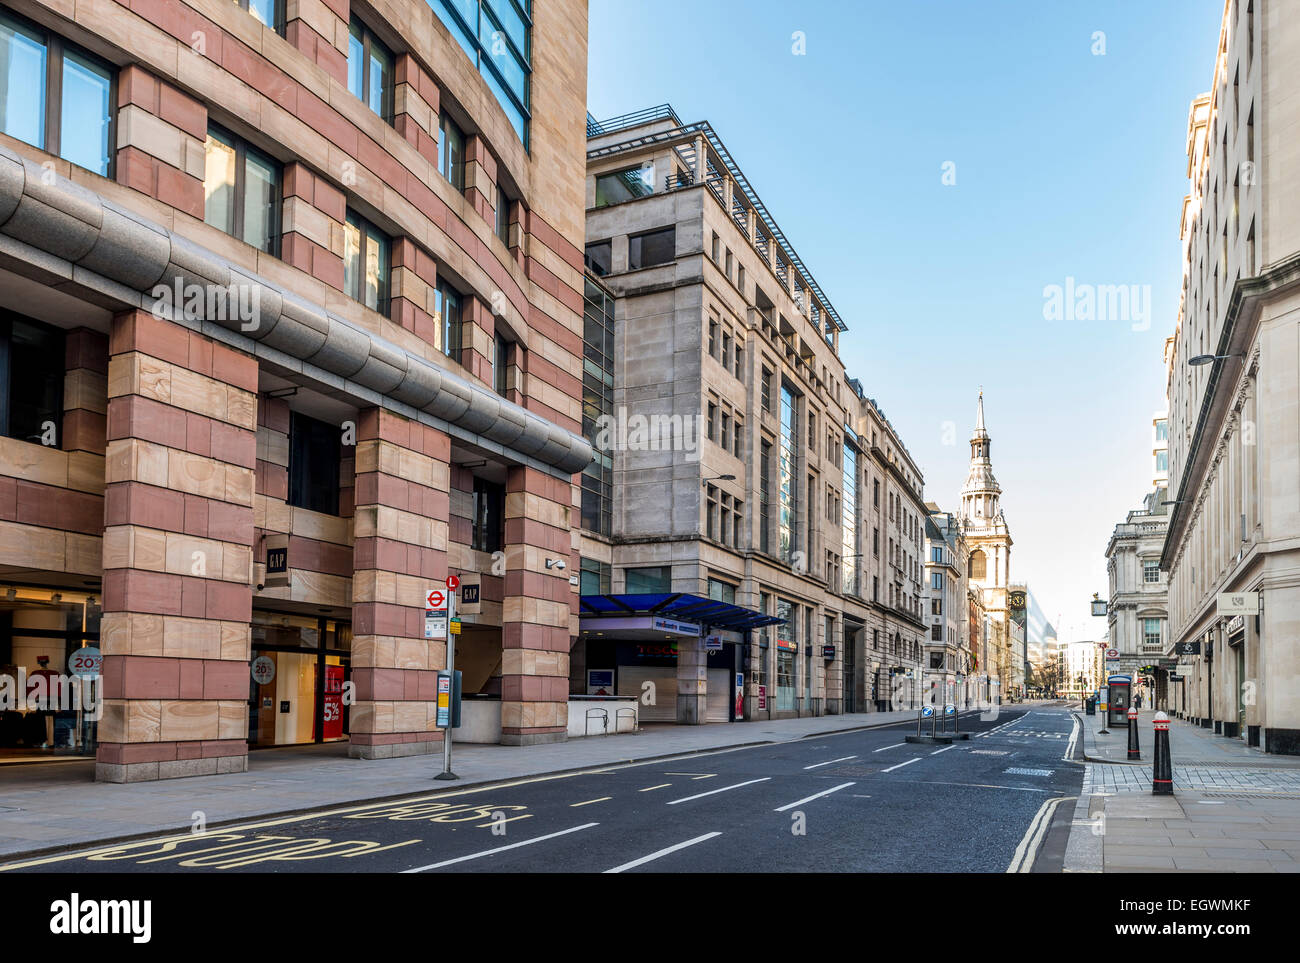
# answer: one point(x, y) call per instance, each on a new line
point(1067, 163)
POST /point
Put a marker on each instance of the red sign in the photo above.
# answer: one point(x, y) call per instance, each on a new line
point(762, 697)
point(436, 599)
point(332, 707)
point(453, 582)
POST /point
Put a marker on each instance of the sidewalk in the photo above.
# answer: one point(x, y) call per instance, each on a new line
point(50, 807)
point(1234, 809)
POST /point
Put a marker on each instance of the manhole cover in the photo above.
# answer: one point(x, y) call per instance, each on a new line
point(1029, 772)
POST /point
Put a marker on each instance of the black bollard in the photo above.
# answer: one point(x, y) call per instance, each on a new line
point(1162, 777)
point(1134, 752)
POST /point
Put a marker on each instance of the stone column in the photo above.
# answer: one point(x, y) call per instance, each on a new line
point(177, 553)
point(539, 611)
point(692, 681)
point(400, 552)
point(160, 136)
point(320, 30)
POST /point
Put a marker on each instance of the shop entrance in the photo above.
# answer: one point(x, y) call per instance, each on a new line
point(298, 680)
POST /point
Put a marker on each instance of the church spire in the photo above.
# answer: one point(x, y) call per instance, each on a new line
point(980, 496)
point(979, 414)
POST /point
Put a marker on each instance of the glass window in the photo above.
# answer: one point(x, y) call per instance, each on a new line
point(599, 257)
point(489, 514)
point(1150, 570)
point(72, 121)
point(365, 263)
point(495, 35)
point(31, 380)
point(721, 591)
point(1151, 633)
point(654, 579)
point(656, 247)
point(595, 577)
point(370, 69)
point(1162, 430)
point(936, 581)
point(267, 11)
point(451, 152)
point(1162, 460)
point(241, 189)
point(314, 456)
point(625, 185)
point(503, 217)
point(447, 302)
point(500, 364)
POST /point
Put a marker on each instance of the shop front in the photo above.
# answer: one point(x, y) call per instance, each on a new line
point(638, 646)
point(49, 672)
point(299, 675)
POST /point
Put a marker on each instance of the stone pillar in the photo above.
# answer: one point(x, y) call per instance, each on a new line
point(481, 178)
point(160, 136)
point(400, 552)
point(692, 681)
point(538, 610)
point(477, 330)
point(413, 278)
point(416, 100)
point(85, 391)
point(312, 225)
point(320, 30)
point(178, 562)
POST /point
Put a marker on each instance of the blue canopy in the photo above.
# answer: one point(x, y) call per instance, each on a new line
point(678, 605)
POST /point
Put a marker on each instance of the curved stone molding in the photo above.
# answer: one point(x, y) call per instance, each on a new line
point(76, 224)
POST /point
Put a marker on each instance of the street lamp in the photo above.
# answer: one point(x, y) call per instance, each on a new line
point(1201, 359)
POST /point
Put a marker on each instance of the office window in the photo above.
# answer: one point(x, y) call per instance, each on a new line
point(496, 35)
point(1151, 633)
point(241, 189)
point(451, 152)
point(1162, 461)
point(447, 302)
point(31, 380)
point(936, 581)
point(599, 257)
point(766, 389)
point(739, 369)
point(314, 455)
point(713, 338)
point(595, 577)
point(764, 496)
point(656, 247)
point(365, 263)
point(711, 512)
point(624, 185)
point(730, 261)
point(500, 364)
point(721, 591)
point(489, 505)
point(502, 212)
point(652, 579)
point(738, 438)
point(370, 69)
point(725, 439)
point(54, 96)
point(716, 245)
point(1150, 570)
point(267, 11)
point(1162, 430)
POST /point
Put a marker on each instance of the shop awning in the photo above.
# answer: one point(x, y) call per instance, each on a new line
point(677, 605)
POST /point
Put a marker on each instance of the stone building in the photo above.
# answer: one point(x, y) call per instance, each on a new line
point(1138, 610)
point(948, 664)
point(745, 469)
point(1232, 372)
point(297, 284)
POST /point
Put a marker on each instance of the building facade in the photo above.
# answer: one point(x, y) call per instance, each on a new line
point(746, 467)
point(1232, 371)
point(292, 326)
point(1138, 610)
point(947, 649)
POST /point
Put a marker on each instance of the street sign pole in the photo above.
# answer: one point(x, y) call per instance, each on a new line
point(451, 672)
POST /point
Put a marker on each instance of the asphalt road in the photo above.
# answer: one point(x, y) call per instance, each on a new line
point(863, 801)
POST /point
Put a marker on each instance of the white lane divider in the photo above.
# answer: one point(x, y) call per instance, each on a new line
point(818, 765)
point(714, 792)
point(663, 852)
point(894, 746)
point(1074, 738)
point(800, 802)
point(944, 749)
point(1027, 851)
point(902, 764)
point(500, 849)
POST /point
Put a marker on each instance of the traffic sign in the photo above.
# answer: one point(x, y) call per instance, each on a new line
point(1112, 653)
point(927, 711)
point(453, 582)
point(455, 626)
point(436, 599)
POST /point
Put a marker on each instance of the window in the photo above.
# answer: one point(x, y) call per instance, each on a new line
point(597, 406)
point(712, 423)
point(936, 554)
point(313, 464)
point(54, 96)
point(1151, 633)
point(729, 263)
point(447, 302)
point(764, 496)
point(711, 512)
point(370, 69)
point(625, 185)
point(496, 35)
point(936, 581)
point(31, 380)
point(766, 389)
point(489, 505)
point(1150, 570)
point(739, 369)
point(738, 438)
point(599, 258)
point(716, 246)
point(713, 338)
point(503, 218)
point(642, 580)
point(595, 577)
point(656, 247)
point(267, 11)
point(978, 566)
point(241, 190)
point(451, 152)
point(1162, 461)
point(500, 364)
point(365, 263)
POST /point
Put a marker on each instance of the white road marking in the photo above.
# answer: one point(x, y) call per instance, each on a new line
point(1023, 860)
point(501, 849)
point(980, 785)
point(800, 802)
point(894, 746)
point(944, 749)
point(662, 785)
point(589, 802)
point(662, 852)
point(902, 764)
point(713, 792)
point(818, 765)
point(1074, 737)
